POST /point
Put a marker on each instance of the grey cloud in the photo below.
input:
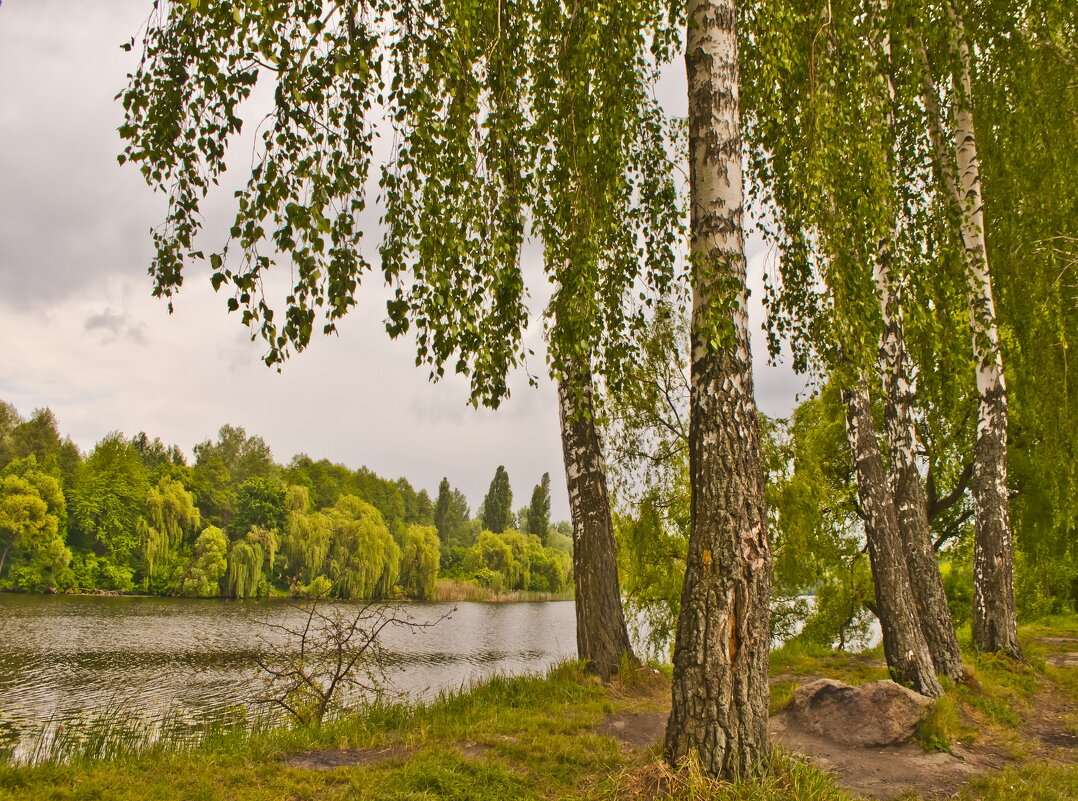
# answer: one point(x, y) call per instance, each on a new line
point(115, 327)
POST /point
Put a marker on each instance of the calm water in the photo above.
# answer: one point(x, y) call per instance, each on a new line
point(60, 655)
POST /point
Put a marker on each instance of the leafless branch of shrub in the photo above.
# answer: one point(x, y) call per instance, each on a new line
point(311, 667)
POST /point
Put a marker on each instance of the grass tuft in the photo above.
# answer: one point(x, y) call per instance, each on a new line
point(787, 778)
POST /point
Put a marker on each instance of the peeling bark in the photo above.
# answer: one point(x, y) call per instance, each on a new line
point(720, 691)
point(602, 639)
point(904, 643)
point(994, 623)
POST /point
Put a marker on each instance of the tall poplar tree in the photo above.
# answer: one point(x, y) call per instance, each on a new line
point(539, 509)
point(498, 502)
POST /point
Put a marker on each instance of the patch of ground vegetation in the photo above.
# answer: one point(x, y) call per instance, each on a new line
point(568, 736)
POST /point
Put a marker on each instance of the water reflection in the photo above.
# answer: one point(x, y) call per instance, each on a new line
point(60, 655)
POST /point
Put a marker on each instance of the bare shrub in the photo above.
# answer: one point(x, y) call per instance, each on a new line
point(333, 653)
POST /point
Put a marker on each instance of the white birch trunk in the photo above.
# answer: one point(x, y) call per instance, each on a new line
point(994, 620)
point(932, 611)
point(720, 691)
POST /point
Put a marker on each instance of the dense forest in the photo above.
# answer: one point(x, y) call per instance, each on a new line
point(133, 516)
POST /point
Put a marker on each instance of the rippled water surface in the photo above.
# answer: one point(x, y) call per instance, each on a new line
point(62, 655)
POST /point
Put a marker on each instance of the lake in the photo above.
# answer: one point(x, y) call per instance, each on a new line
point(65, 655)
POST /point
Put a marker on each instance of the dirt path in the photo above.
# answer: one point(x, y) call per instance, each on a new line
point(885, 773)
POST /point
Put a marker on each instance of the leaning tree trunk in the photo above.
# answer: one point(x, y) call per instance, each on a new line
point(909, 497)
point(602, 639)
point(933, 613)
point(720, 691)
point(904, 644)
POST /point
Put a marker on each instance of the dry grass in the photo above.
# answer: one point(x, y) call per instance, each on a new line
point(454, 590)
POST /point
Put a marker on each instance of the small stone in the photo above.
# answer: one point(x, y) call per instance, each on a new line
point(868, 715)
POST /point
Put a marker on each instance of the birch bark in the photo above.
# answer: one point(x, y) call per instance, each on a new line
point(911, 508)
point(994, 617)
point(931, 609)
point(720, 691)
point(994, 624)
point(602, 639)
point(904, 643)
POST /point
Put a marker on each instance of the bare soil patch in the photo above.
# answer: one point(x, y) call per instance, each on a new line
point(888, 771)
point(880, 772)
point(332, 758)
point(634, 730)
point(1046, 727)
point(1064, 650)
point(470, 749)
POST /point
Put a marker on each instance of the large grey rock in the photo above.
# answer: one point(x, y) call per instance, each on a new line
point(880, 713)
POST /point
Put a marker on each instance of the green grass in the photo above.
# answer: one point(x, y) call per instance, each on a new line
point(782, 693)
point(801, 659)
point(537, 731)
point(1038, 781)
point(526, 738)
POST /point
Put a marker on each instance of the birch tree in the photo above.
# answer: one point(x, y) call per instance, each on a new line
point(720, 690)
point(1024, 94)
point(478, 101)
point(829, 154)
point(994, 613)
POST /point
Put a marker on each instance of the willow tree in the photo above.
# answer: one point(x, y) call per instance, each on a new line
point(171, 517)
point(419, 561)
point(501, 112)
point(363, 561)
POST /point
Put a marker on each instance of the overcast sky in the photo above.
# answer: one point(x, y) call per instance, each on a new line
point(80, 333)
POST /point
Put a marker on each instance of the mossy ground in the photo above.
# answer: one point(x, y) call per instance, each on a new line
point(537, 738)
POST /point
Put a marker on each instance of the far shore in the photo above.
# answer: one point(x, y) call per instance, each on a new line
point(445, 590)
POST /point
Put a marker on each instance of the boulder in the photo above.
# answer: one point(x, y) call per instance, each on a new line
point(868, 715)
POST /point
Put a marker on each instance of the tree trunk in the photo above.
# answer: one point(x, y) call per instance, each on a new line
point(904, 644)
point(720, 690)
point(933, 613)
point(994, 623)
point(602, 639)
point(910, 506)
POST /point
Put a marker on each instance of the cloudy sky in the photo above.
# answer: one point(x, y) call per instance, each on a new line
point(80, 333)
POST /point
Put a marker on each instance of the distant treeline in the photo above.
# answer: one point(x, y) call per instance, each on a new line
point(133, 516)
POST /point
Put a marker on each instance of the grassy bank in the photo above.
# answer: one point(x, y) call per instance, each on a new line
point(556, 738)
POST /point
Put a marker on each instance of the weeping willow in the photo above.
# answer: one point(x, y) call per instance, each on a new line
point(244, 569)
point(421, 556)
point(305, 540)
point(363, 559)
point(171, 514)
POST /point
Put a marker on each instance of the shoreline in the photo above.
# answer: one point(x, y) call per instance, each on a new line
point(566, 735)
point(446, 591)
